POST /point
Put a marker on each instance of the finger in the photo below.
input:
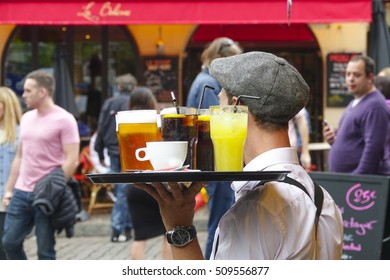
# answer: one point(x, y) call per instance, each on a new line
point(163, 192)
point(196, 187)
point(151, 190)
point(176, 190)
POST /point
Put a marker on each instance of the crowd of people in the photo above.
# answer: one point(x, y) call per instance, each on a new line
point(46, 158)
point(39, 151)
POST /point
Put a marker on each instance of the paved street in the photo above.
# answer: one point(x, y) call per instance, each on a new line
point(99, 248)
point(92, 241)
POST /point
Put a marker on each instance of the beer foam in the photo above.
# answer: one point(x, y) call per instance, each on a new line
point(169, 110)
point(158, 120)
point(136, 116)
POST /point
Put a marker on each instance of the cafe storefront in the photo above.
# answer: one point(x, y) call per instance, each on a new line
point(160, 41)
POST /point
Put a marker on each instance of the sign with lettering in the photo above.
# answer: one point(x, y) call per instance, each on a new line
point(127, 12)
point(363, 201)
point(336, 63)
point(161, 75)
point(94, 12)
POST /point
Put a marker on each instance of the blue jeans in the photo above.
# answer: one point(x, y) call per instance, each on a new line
point(20, 219)
point(120, 215)
point(221, 199)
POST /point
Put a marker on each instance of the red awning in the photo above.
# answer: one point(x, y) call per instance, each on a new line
point(255, 32)
point(100, 12)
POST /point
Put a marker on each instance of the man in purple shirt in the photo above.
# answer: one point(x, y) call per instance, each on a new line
point(360, 143)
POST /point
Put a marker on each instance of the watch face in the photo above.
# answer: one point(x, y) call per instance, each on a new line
point(180, 237)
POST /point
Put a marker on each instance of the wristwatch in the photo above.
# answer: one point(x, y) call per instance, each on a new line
point(180, 236)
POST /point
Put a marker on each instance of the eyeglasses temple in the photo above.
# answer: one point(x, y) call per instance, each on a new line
point(244, 96)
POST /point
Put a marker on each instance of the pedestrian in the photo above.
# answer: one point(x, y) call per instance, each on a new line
point(121, 223)
point(10, 114)
point(219, 47)
point(269, 220)
point(93, 155)
point(359, 146)
point(220, 195)
point(382, 83)
point(47, 155)
point(299, 134)
point(145, 214)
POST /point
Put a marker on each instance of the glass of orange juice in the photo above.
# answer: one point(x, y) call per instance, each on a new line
point(228, 131)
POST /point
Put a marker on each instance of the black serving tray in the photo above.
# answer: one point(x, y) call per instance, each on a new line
point(185, 176)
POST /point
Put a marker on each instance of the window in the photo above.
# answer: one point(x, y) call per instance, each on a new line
point(95, 56)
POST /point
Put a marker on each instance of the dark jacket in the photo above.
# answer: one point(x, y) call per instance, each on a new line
point(106, 132)
point(56, 199)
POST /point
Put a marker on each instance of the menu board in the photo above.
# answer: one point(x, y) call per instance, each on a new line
point(336, 63)
point(363, 201)
point(161, 76)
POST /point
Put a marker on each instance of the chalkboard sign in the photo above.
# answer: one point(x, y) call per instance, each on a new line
point(336, 63)
point(363, 201)
point(160, 74)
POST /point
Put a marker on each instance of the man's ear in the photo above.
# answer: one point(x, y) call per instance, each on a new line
point(43, 92)
point(234, 100)
point(371, 77)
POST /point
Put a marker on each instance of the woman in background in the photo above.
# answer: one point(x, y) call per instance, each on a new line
point(220, 194)
point(144, 210)
point(10, 114)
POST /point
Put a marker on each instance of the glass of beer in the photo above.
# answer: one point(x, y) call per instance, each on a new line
point(228, 130)
point(179, 124)
point(204, 145)
point(134, 129)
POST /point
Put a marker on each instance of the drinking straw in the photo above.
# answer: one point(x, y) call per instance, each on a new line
point(174, 102)
point(202, 94)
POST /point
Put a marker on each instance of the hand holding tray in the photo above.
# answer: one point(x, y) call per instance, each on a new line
point(185, 176)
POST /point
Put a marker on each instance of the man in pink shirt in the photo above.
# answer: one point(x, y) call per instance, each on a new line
point(49, 139)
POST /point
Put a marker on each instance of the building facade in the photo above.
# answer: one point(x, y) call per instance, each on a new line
point(160, 41)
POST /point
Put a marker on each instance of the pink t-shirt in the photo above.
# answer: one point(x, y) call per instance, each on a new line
point(42, 137)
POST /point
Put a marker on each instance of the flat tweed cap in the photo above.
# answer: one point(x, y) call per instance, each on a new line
point(282, 90)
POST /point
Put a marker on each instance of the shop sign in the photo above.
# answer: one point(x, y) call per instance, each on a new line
point(95, 11)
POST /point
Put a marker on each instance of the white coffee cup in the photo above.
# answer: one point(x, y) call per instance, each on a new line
point(164, 154)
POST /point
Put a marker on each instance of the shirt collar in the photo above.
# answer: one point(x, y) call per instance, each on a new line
point(275, 157)
point(356, 101)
